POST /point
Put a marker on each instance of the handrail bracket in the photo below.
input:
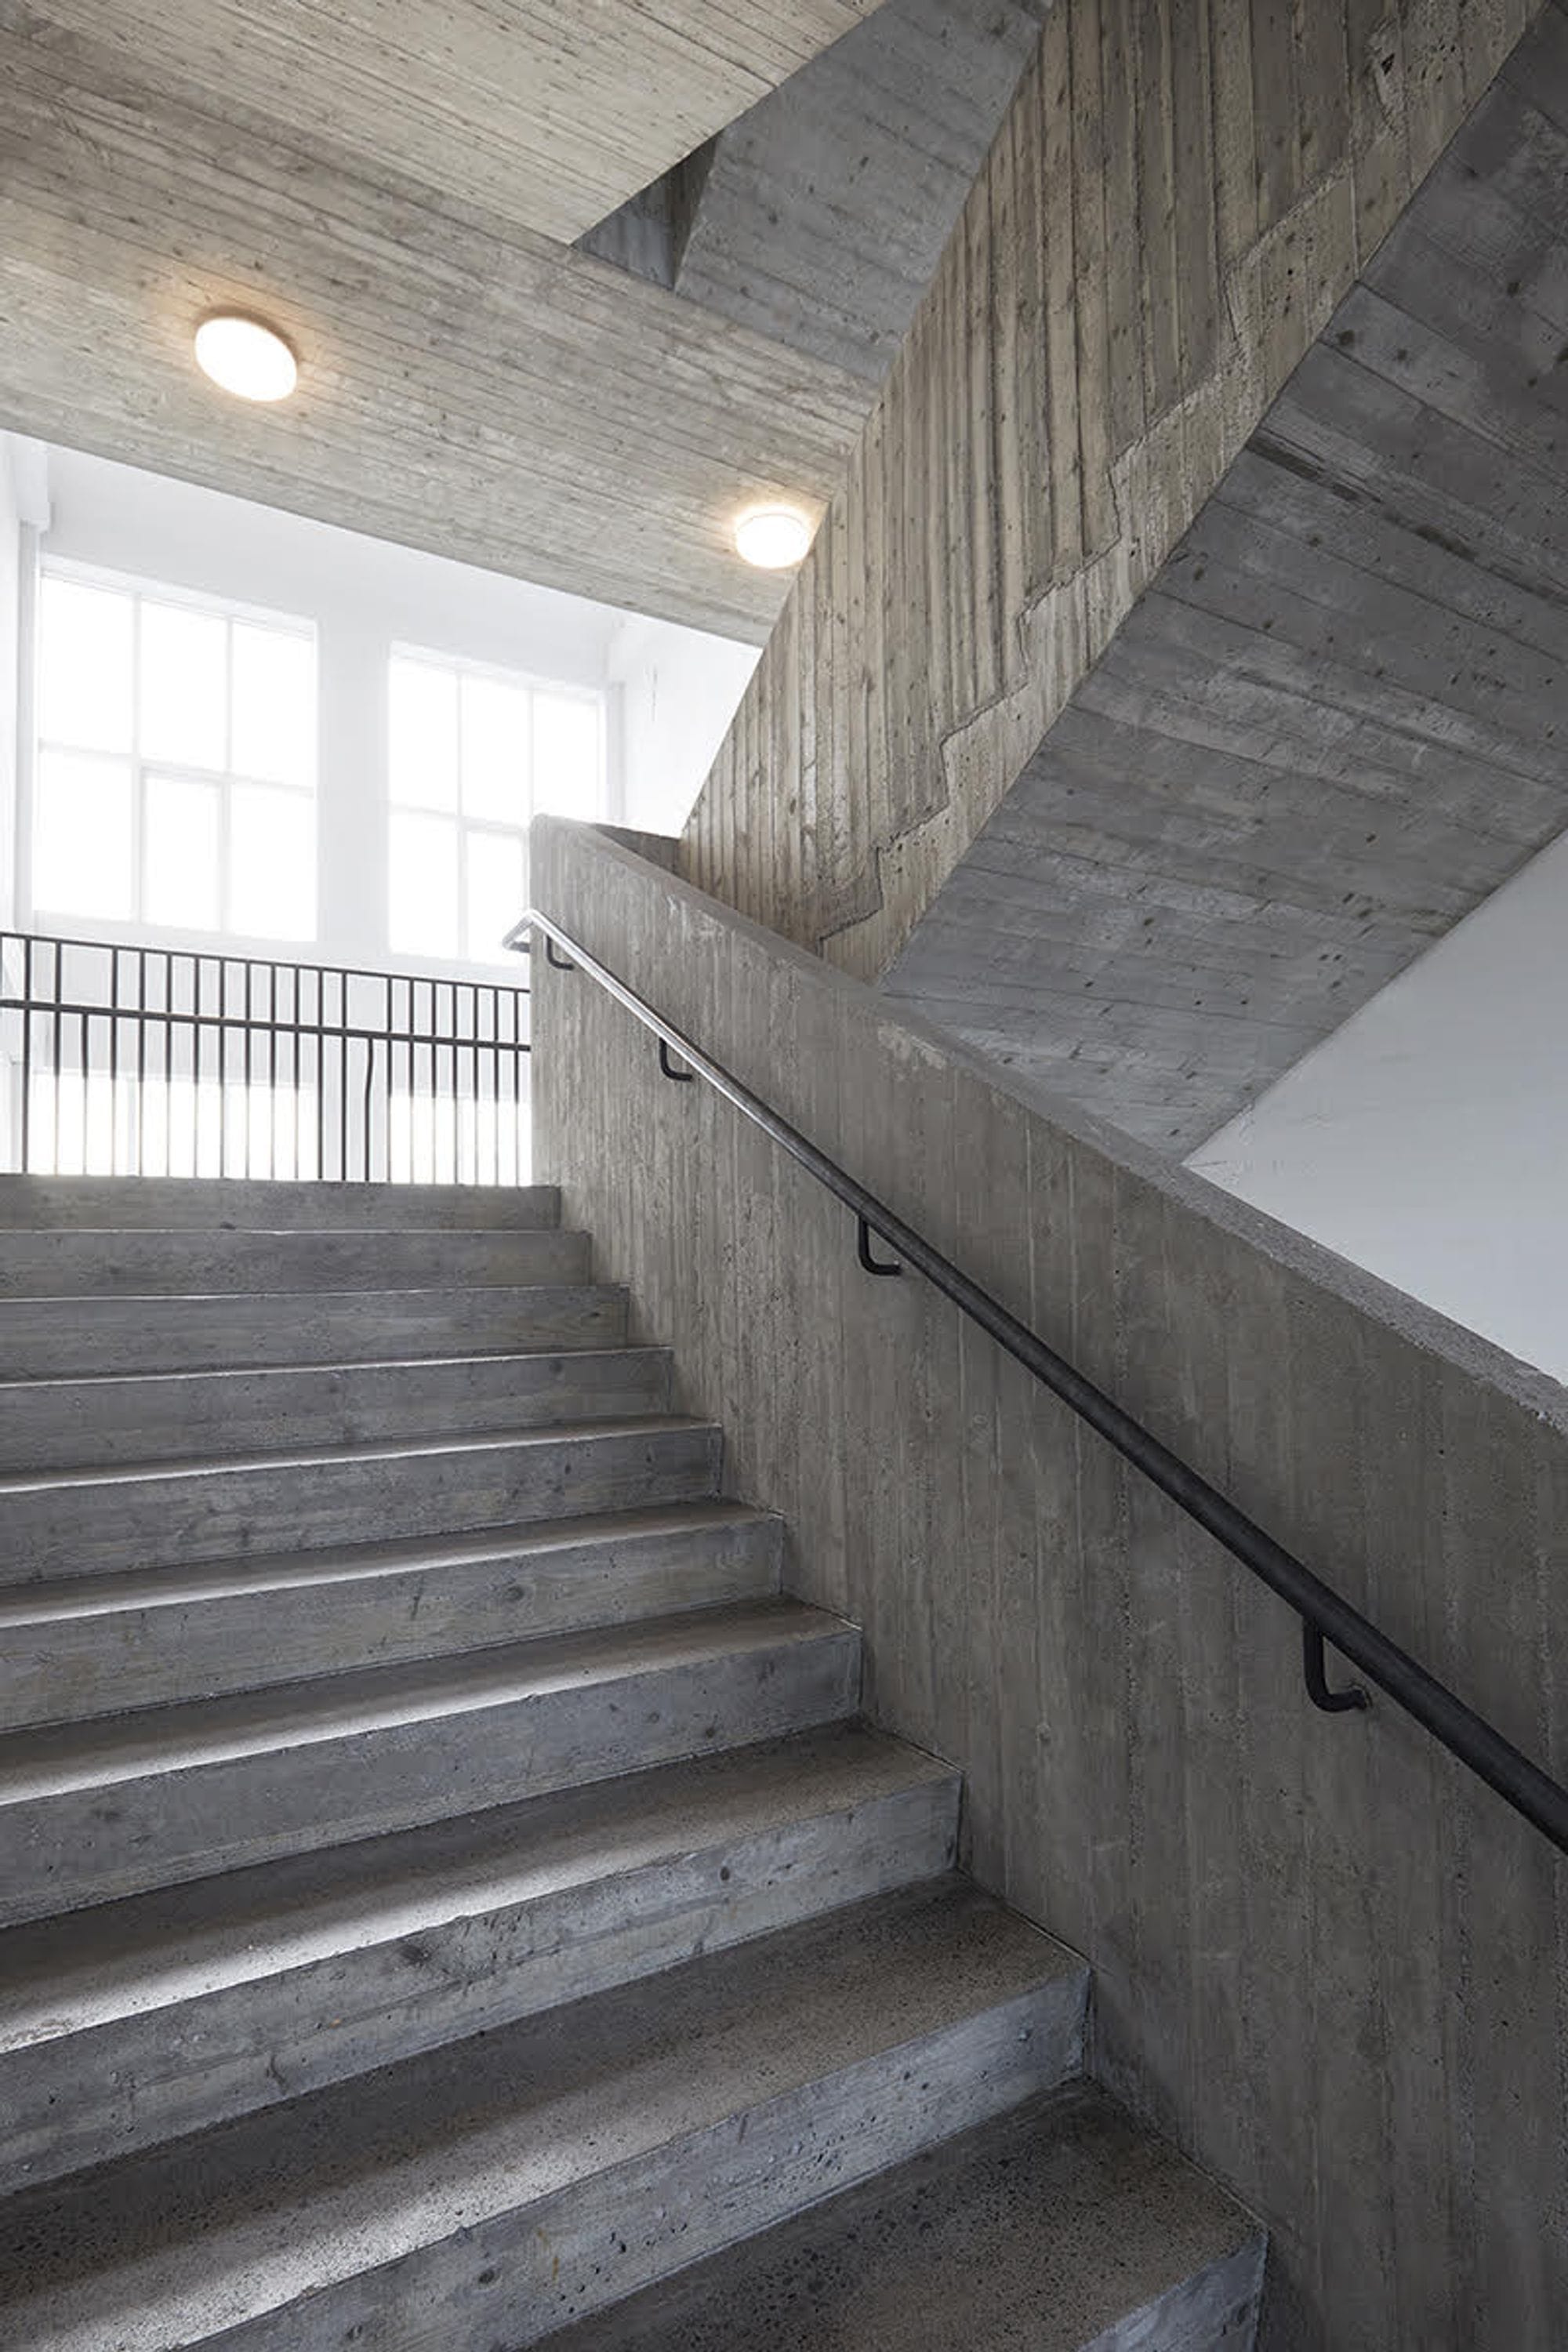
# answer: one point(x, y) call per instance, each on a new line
point(1315, 1668)
point(863, 1251)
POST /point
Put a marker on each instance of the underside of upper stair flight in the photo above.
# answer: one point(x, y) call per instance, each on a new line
point(1184, 655)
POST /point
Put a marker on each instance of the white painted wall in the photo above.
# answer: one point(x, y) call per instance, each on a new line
point(678, 691)
point(1427, 1139)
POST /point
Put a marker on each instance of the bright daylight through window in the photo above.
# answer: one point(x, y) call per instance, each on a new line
point(474, 753)
point(176, 777)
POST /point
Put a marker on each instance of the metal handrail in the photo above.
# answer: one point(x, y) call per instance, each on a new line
point(1325, 1615)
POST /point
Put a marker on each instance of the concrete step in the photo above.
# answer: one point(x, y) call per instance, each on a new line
point(89, 1813)
point(89, 1262)
point(38, 1340)
point(98, 1645)
point(1060, 2227)
point(92, 1523)
point(490, 2191)
point(267, 1204)
point(209, 2001)
point(155, 1416)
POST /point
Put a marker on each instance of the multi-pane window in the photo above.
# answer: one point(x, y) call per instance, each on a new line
point(175, 781)
point(473, 755)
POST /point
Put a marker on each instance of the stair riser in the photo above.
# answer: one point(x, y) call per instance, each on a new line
point(1216, 2310)
point(93, 1844)
point(233, 1512)
point(191, 2064)
point(166, 1203)
point(513, 2280)
point(86, 1264)
point(43, 1340)
point(73, 1668)
point(97, 1423)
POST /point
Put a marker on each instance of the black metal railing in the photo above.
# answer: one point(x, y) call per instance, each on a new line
point(1325, 1615)
point(130, 1060)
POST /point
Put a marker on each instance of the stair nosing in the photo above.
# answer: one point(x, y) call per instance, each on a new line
point(360, 1703)
point(637, 1351)
point(70, 1599)
point(13, 1486)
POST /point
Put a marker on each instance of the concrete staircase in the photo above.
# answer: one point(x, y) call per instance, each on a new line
point(447, 1898)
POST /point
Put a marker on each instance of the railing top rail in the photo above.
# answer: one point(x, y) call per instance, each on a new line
point(269, 1025)
point(1325, 1614)
point(221, 955)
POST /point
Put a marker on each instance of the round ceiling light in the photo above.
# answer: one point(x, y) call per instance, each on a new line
point(246, 357)
point(773, 538)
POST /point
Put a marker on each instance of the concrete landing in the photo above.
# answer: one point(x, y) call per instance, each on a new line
point(1058, 2229)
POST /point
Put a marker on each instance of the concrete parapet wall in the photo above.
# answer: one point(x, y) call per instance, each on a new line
point(1326, 1962)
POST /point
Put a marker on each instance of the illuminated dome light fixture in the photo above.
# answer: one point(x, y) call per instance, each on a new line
point(773, 537)
point(246, 357)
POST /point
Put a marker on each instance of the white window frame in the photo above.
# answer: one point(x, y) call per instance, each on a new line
point(140, 590)
point(461, 665)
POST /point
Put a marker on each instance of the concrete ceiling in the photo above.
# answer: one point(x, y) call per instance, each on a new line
point(1337, 721)
point(818, 219)
point(468, 386)
point(549, 112)
point(392, 185)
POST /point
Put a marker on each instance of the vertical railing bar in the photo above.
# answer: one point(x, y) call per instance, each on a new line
point(342, 1063)
point(223, 1065)
point(368, 1110)
point(114, 1061)
point(429, 1123)
point(196, 1027)
point(516, 1089)
point(273, 1072)
point(141, 1061)
point(249, 1035)
point(474, 1077)
point(58, 992)
point(200, 1035)
point(167, 962)
point(26, 1057)
point(452, 1069)
point(321, 1074)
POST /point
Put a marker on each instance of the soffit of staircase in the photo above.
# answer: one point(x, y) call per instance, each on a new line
point(1330, 727)
point(819, 216)
point(471, 386)
point(549, 112)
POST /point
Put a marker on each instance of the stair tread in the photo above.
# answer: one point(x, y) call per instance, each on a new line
point(130, 1474)
point(248, 2216)
point(54, 1758)
point(146, 1951)
point(85, 1261)
point(1037, 2232)
point(211, 1374)
point(41, 1203)
point(66, 1598)
point(119, 1302)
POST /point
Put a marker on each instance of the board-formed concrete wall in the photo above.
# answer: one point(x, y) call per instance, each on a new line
point(1326, 1962)
point(1182, 193)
